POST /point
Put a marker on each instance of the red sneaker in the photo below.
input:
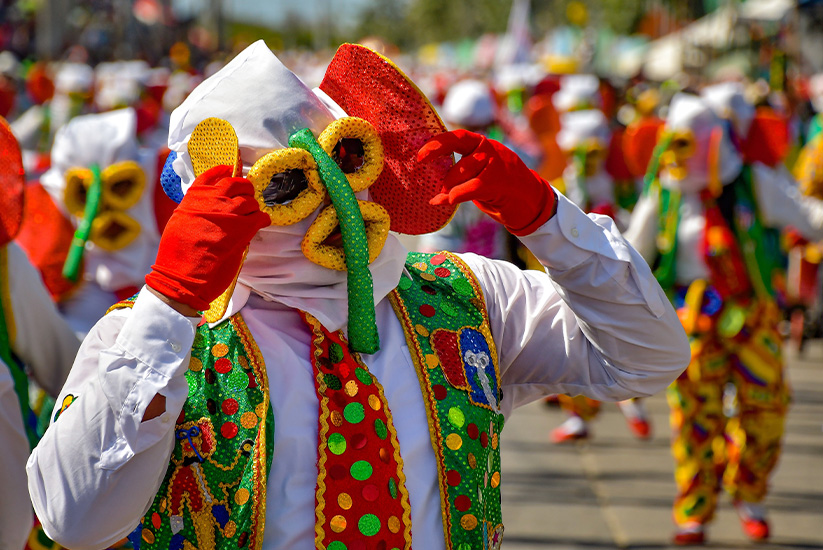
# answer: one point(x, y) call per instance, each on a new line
point(755, 529)
point(640, 427)
point(753, 520)
point(691, 534)
point(561, 435)
point(688, 538)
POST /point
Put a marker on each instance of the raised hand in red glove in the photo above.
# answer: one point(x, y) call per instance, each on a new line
point(205, 239)
point(494, 177)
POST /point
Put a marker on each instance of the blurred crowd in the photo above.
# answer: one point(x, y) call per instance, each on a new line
point(628, 149)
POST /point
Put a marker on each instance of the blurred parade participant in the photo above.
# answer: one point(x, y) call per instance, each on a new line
point(34, 341)
point(9, 76)
point(469, 105)
point(703, 224)
point(276, 411)
point(584, 137)
point(70, 96)
point(100, 188)
point(816, 99)
point(578, 92)
point(640, 137)
point(803, 281)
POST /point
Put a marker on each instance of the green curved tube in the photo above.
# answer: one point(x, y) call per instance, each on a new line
point(654, 163)
point(71, 269)
point(363, 336)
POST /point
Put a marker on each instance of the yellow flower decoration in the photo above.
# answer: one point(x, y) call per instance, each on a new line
point(113, 230)
point(123, 185)
point(280, 162)
point(356, 128)
point(76, 190)
point(331, 256)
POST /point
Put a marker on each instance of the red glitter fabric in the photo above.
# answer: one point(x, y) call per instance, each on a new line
point(369, 86)
point(46, 237)
point(12, 183)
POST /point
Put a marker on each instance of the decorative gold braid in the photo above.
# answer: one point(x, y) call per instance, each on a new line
point(401, 474)
point(431, 410)
point(320, 516)
point(259, 473)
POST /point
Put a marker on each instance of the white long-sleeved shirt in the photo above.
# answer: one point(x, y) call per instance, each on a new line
point(597, 324)
point(779, 201)
point(45, 343)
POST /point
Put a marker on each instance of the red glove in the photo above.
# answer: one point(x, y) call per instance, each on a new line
point(205, 239)
point(495, 178)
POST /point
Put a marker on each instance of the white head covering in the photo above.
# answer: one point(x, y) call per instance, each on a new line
point(73, 77)
point(468, 103)
point(119, 83)
point(265, 103)
point(577, 90)
point(816, 92)
point(105, 139)
point(690, 112)
point(579, 127)
point(728, 101)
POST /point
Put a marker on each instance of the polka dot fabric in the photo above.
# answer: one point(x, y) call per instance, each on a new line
point(444, 318)
point(369, 86)
point(214, 492)
point(361, 497)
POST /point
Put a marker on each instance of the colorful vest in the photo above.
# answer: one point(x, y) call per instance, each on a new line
point(214, 492)
point(758, 245)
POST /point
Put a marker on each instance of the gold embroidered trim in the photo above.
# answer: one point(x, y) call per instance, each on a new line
point(317, 338)
point(431, 410)
point(259, 475)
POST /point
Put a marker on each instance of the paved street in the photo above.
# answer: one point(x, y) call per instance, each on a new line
point(616, 492)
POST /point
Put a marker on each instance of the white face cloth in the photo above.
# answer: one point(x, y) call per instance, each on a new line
point(266, 103)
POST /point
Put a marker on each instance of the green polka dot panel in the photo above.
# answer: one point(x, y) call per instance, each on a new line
point(354, 413)
point(369, 525)
point(363, 375)
point(361, 470)
point(380, 429)
point(337, 443)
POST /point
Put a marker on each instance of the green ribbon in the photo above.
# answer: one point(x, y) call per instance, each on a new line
point(71, 269)
point(21, 380)
point(363, 336)
point(654, 163)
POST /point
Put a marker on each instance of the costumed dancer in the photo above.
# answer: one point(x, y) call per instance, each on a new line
point(703, 224)
point(803, 281)
point(584, 138)
point(293, 405)
point(55, 104)
point(97, 201)
point(34, 341)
